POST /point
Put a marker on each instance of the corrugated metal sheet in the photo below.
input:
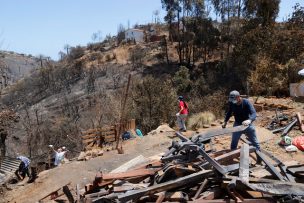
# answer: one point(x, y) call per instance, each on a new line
point(8, 168)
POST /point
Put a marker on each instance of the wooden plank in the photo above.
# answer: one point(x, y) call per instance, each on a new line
point(89, 136)
point(229, 156)
point(132, 124)
point(283, 188)
point(217, 132)
point(169, 185)
point(111, 139)
point(123, 188)
point(273, 187)
point(213, 162)
point(129, 174)
point(244, 163)
point(109, 136)
point(201, 188)
point(177, 196)
point(68, 193)
point(271, 168)
point(98, 135)
point(300, 122)
point(97, 194)
point(161, 197)
point(90, 131)
point(264, 180)
point(53, 192)
point(254, 194)
point(212, 194)
point(231, 201)
point(280, 164)
point(132, 163)
point(108, 128)
point(78, 193)
point(112, 132)
point(88, 141)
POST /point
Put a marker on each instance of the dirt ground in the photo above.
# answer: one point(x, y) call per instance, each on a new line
point(82, 172)
point(156, 142)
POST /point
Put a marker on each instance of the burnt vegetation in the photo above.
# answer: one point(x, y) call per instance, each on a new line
point(197, 57)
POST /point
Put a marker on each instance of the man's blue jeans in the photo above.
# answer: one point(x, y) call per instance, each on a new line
point(251, 134)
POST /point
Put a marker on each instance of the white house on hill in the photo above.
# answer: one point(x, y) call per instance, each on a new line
point(135, 34)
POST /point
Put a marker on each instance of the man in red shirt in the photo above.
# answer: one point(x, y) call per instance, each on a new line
point(182, 114)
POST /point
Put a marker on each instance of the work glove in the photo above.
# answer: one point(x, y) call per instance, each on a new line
point(177, 114)
point(246, 122)
point(224, 125)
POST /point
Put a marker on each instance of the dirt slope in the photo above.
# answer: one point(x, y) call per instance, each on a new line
point(84, 172)
point(152, 144)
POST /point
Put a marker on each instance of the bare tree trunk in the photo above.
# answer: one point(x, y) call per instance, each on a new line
point(239, 9)
point(179, 39)
point(166, 49)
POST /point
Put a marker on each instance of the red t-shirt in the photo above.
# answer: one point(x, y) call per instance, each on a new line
point(185, 110)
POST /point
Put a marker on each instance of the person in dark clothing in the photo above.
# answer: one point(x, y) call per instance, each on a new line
point(23, 169)
point(244, 114)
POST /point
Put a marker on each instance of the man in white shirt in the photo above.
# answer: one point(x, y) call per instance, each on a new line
point(59, 155)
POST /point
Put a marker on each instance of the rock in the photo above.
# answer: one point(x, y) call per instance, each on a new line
point(258, 107)
point(100, 153)
point(220, 122)
point(206, 126)
point(213, 124)
point(94, 153)
point(81, 156)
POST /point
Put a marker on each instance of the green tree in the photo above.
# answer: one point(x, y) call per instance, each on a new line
point(206, 38)
point(181, 81)
point(265, 11)
point(154, 102)
point(120, 33)
point(297, 17)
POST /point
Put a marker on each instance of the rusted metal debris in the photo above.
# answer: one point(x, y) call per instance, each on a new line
point(189, 173)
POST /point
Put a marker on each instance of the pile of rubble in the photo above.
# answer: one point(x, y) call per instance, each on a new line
point(188, 172)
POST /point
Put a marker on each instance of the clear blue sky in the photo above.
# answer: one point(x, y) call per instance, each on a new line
point(45, 26)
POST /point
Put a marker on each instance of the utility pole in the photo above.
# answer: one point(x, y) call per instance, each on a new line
point(122, 119)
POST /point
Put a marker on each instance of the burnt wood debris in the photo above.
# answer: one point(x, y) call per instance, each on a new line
point(193, 171)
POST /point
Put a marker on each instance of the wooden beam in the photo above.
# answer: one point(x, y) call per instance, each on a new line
point(217, 132)
point(299, 117)
point(244, 163)
point(274, 187)
point(132, 163)
point(201, 188)
point(78, 193)
point(212, 193)
point(213, 162)
point(228, 156)
point(271, 168)
point(55, 191)
point(161, 197)
point(97, 194)
point(68, 193)
point(231, 201)
point(129, 174)
point(169, 185)
point(283, 188)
